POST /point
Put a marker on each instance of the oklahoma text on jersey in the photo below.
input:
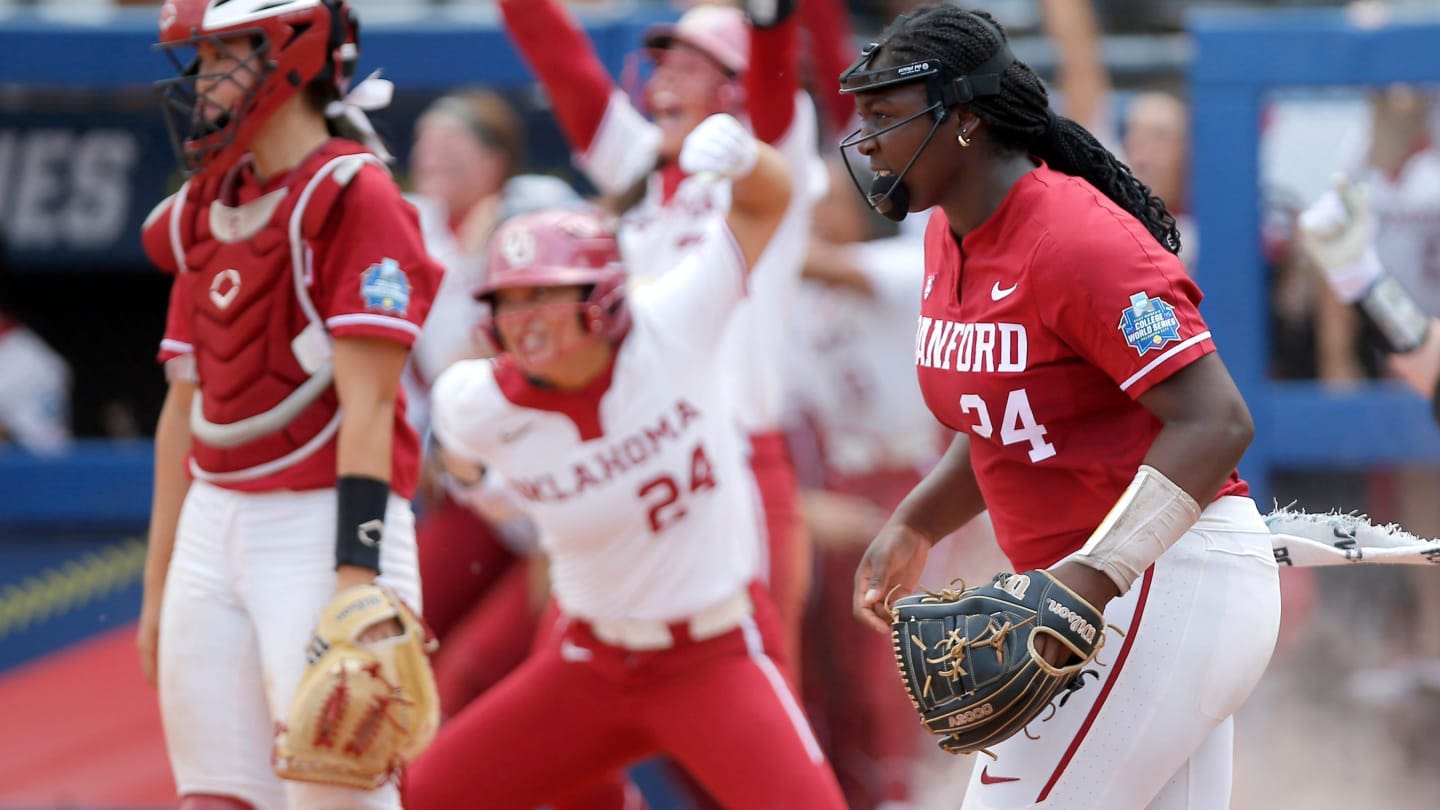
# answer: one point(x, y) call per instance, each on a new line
point(616, 457)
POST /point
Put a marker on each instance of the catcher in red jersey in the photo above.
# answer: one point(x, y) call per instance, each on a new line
point(284, 463)
point(605, 417)
point(1061, 337)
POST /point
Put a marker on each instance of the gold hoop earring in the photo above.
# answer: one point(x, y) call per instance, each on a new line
point(961, 139)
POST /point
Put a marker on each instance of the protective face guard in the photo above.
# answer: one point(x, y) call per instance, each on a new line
point(197, 140)
point(601, 316)
point(887, 196)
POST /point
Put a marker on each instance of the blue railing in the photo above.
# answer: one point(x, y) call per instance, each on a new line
point(1239, 57)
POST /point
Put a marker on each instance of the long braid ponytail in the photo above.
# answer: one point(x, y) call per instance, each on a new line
point(1019, 117)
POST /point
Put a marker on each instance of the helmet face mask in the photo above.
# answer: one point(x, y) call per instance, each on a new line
point(294, 43)
point(944, 91)
point(203, 123)
point(543, 327)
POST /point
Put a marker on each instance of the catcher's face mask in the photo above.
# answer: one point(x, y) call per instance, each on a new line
point(944, 90)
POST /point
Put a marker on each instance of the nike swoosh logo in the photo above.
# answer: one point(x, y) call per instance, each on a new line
point(985, 777)
point(996, 293)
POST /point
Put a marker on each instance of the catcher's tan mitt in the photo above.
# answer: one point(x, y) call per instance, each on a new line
point(363, 709)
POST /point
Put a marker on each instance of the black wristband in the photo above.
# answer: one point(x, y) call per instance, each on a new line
point(360, 520)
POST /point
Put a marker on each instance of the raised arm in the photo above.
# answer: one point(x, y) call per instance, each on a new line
point(720, 147)
point(773, 77)
point(1337, 234)
point(561, 55)
point(1084, 79)
point(832, 49)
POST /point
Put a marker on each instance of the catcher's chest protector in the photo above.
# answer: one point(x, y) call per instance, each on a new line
point(249, 280)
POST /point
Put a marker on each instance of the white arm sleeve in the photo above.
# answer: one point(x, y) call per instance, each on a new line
point(625, 149)
point(691, 304)
point(460, 416)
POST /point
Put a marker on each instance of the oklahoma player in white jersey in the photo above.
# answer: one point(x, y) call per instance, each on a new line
point(476, 570)
point(712, 60)
point(1060, 335)
point(611, 426)
point(283, 459)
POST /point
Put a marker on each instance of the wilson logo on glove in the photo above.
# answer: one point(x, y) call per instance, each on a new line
point(1078, 624)
point(363, 709)
point(963, 653)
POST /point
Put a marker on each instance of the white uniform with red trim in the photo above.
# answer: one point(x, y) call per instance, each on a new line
point(638, 484)
point(658, 232)
point(865, 407)
point(266, 274)
point(1407, 224)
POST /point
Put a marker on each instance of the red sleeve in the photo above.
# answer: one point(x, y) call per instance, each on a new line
point(832, 49)
point(1121, 301)
point(178, 338)
point(372, 275)
point(772, 79)
point(562, 56)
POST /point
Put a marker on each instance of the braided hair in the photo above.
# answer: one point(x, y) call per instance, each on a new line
point(1020, 117)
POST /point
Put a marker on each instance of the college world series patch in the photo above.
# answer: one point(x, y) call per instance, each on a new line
point(384, 287)
point(1148, 323)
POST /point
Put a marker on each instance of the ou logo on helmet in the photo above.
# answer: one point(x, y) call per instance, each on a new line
point(517, 246)
point(168, 13)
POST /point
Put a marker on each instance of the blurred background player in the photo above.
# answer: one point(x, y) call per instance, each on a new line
point(713, 60)
point(300, 283)
point(866, 440)
point(605, 415)
point(1157, 149)
point(467, 146)
point(1375, 237)
point(34, 382)
point(1062, 340)
point(475, 566)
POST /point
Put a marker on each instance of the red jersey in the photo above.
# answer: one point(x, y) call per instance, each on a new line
point(1037, 333)
point(266, 274)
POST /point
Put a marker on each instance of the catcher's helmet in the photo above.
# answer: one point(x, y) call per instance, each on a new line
point(296, 42)
point(720, 32)
point(560, 248)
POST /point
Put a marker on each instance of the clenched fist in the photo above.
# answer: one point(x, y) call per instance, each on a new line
point(720, 146)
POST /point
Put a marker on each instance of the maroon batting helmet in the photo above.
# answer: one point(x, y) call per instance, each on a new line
point(560, 248)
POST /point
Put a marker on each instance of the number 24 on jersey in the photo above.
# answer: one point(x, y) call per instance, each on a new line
point(1017, 426)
